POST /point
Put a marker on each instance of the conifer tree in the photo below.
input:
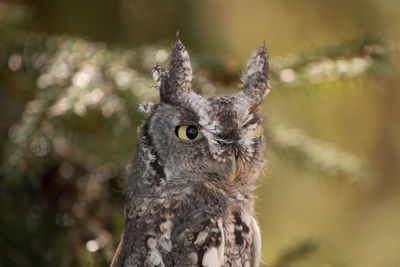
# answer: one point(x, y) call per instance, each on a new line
point(69, 113)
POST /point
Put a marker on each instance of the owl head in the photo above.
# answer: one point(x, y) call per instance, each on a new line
point(216, 137)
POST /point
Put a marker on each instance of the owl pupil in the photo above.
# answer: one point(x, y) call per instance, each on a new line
point(191, 132)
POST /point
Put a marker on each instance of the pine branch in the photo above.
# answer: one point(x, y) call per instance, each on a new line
point(347, 60)
point(29, 137)
point(357, 47)
point(319, 154)
point(92, 76)
point(76, 80)
point(96, 78)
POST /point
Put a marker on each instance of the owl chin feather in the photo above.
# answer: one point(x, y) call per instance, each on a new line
point(189, 194)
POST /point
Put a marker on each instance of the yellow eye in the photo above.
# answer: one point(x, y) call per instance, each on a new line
point(257, 131)
point(188, 132)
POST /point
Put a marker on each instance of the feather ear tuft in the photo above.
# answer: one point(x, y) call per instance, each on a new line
point(146, 107)
point(160, 76)
point(255, 78)
point(179, 74)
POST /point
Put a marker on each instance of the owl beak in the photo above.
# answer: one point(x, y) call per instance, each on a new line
point(232, 174)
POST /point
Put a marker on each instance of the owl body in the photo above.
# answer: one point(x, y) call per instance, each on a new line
point(189, 189)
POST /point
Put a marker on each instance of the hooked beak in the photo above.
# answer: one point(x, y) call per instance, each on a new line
point(232, 174)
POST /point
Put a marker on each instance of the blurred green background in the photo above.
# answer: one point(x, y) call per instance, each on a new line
point(72, 73)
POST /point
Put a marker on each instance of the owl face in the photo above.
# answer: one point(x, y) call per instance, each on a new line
point(217, 135)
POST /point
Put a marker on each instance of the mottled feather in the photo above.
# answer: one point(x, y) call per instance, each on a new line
point(189, 201)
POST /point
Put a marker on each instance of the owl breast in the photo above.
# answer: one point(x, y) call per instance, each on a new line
point(198, 224)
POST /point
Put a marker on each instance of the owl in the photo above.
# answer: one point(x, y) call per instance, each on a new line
point(189, 187)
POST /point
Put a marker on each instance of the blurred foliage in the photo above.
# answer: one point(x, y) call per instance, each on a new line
point(68, 116)
point(299, 251)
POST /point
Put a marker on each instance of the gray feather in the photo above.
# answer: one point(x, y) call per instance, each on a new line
point(189, 202)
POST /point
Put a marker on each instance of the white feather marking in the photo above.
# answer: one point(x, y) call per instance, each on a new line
point(211, 258)
point(201, 237)
point(256, 245)
point(214, 257)
point(145, 107)
point(221, 248)
point(156, 75)
point(166, 244)
point(155, 258)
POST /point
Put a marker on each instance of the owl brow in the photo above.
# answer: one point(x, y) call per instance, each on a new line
point(189, 118)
